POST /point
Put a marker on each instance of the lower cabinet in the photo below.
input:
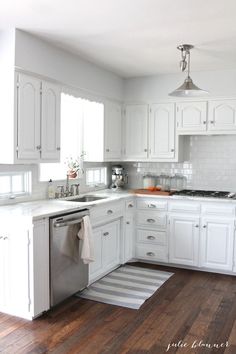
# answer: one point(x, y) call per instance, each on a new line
point(107, 249)
point(217, 240)
point(24, 269)
point(184, 240)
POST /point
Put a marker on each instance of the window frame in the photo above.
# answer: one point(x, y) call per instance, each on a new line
point(26, 184)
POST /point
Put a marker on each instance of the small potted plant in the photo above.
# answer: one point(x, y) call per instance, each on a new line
point(74, 166)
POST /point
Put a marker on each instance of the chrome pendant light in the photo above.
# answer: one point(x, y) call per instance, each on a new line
point(188, 88)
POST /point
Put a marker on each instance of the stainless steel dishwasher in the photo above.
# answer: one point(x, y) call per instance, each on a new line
point(67, 276)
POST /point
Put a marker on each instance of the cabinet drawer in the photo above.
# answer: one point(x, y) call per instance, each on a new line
point(151, 236)
point(106, 213)
point(152, 219)
point(151, 204)
point(218, 209)
point(186, 207)
point(155, 253)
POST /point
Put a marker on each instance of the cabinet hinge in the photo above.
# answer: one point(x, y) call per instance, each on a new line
point(17, 84)
point(17, 148)
point(177, 109)
point(124, 112)
point(177, 124)
point(150, 110)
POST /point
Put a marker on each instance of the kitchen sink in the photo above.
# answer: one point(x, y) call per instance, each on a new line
point(86, 199)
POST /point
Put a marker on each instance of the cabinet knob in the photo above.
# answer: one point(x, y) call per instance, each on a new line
point(130, 206)
point(172, 150)
point(196, 226)
point(145, 150)
point(109, 211)
point(107, 150)
point(38, 147)
point(204, 226)
point(106, 234)
point(5, 238)
point(58, 148)
point(151, 220)
point(212, 121)
point(150, 254)
point(151, 237)
point(204, 122)
point(127, 222)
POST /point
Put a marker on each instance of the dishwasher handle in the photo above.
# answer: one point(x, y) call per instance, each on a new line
point(67, 223)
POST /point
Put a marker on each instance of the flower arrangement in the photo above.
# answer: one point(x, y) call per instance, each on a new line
point(74, 165)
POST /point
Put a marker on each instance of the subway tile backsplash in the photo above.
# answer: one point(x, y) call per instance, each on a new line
point(211, 164)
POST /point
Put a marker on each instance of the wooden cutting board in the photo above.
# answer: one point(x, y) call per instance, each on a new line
point(146, 191)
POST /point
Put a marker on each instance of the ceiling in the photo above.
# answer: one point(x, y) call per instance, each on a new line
point(132, 37)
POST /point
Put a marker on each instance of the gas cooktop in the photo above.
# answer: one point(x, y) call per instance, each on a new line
point(205, 194)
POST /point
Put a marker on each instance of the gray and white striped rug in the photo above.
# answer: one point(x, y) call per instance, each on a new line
point(126, 286)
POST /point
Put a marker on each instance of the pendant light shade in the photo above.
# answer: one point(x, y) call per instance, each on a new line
point(188, 88)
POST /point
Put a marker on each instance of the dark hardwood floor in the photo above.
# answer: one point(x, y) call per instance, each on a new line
point(190, 307)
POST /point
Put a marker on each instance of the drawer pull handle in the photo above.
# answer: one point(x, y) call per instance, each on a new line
point(151, 206)
point(150, 254)
point(151, 220)
point(106, 234)
point(109, 211)
point(151, 237)
point(130, 206)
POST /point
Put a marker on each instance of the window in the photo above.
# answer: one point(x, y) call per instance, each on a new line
point(80, 127)
point(15, 184)
point(71, 138)
point(96, 176)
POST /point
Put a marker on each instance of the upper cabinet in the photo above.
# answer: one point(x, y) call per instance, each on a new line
point(212, 117)
point(113, 131)
point(149, 132)
point(162, 131)
point(102, 128)
point(32, 125)
point(38, 120)
point(135, 132)
point(222, 115)
point(191, 117)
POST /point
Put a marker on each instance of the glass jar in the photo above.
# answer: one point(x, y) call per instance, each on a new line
point(149, 181)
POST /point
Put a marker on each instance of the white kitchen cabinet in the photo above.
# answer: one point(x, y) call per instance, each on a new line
point(162, 131)
point(184, 240)
point(38, 120)
point(102, 126)
point(128, 243)
point(24, 268)
point(28, 117)
point(113, 131)
point(222, 116)
point(216, 245)
point(50, 122)
point(107, 249)
point(135, 132)
point(191, 117)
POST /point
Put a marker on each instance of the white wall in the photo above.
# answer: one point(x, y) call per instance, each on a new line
point(36, 55)
point(156, 88)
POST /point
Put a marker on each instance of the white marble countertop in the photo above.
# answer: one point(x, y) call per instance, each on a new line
point(39, 209)
point(45, 208)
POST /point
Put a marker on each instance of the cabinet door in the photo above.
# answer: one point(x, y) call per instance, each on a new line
point(128, 237)
point(111, 245)
point(135, 125)
point(216, 248)
point(39, 268)
point(50, 137)
point(191, 117)
point(222, 115)
point(113, 128)
point(28, 118)
point(184, 240)
point(18, 270)
point(162, 131)
point(95, 268)
point(4, 273)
